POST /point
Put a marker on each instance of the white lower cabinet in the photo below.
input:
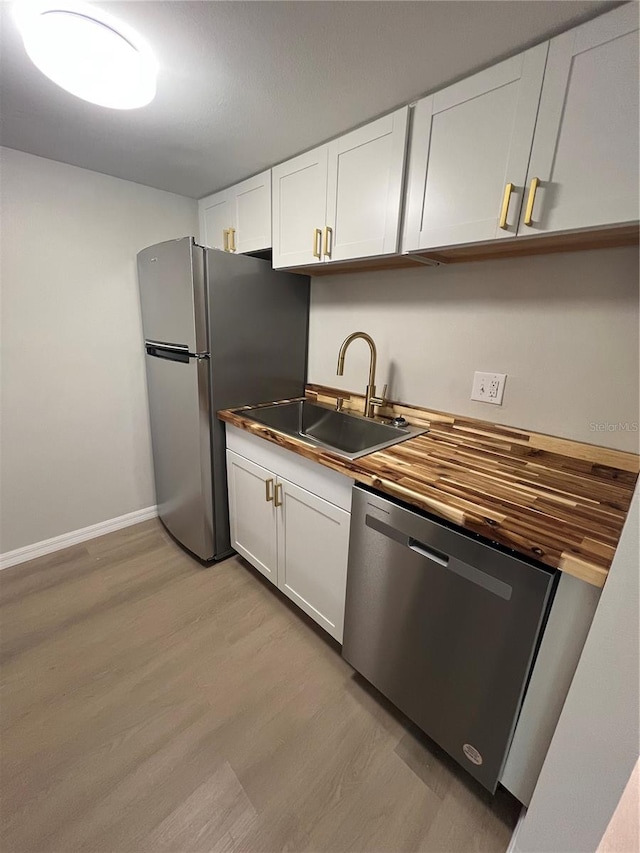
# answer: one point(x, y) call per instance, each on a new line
point(313, 542)
point(252, 513)
point(294, 533)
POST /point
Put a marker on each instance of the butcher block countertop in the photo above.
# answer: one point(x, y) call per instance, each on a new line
point(560, 502)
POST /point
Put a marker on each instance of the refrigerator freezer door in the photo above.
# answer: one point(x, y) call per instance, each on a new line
point(181, 441)
point(172, 294)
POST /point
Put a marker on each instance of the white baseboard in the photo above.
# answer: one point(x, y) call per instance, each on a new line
point(57, 543)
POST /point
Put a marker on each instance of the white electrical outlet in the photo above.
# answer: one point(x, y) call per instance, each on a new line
point(488, 387)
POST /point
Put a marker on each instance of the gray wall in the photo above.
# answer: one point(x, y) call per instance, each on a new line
point(75, 438)
point(596, 742)
point(563, 327)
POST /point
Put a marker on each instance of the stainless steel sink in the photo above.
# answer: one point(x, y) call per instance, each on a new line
point(344, 434)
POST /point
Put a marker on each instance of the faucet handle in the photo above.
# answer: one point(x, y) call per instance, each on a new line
point(374, 400)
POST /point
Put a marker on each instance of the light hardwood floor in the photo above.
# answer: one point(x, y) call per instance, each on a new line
point(151, 704)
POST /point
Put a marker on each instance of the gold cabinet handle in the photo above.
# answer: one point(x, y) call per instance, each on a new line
point(232, 239)
point(506, 198)
point(528, 216)
point(268, 486)
point(278, 496)
point(225, 239)
point(328, 241)
point(317, 243)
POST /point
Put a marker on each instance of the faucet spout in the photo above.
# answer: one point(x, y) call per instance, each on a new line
point(370, 399)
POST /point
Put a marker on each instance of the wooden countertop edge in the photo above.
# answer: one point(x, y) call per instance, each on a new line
point(583, 569)
point(569, 563)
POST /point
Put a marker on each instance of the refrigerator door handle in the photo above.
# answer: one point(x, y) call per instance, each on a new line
point(172, 352)
point(163, 345)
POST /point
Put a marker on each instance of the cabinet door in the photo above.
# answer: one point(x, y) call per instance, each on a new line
point(468, 142)
point(313, 542)
point(364, 189)
point(585, 149)
point(252, 214)
point(252, 513)
point(217, 215)
point(299, 208)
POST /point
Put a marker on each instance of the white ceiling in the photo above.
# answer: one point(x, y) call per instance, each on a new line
point(245, 85)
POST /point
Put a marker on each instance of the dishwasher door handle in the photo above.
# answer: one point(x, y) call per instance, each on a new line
point(451, 563)
point(429, 553)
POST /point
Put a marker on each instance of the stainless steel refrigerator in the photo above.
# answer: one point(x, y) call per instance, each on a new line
point(220, 330)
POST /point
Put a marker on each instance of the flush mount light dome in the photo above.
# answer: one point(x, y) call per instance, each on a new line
point(89, 53)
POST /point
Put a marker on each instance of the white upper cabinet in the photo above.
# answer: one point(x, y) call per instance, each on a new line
point(343, 199)
point(470, 149)
point(585, 150)
point(364, 189)
point(238, 219)
point(251, 202)
point(545, 141)
point(557, 124)
point(216, 216)
point(299, 208)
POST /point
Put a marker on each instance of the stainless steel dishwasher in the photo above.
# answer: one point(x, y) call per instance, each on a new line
point(444, 625)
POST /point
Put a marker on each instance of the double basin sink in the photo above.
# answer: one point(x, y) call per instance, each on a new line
point(344, 434)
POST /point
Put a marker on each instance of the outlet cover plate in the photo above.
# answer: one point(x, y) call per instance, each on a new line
point(488, 387)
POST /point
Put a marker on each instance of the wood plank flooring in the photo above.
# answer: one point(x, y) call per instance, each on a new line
point(151, 704)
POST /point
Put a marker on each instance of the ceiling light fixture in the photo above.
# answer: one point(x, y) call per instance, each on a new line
point(88, 52)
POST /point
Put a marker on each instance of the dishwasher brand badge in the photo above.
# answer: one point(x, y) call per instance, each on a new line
point(472, 753)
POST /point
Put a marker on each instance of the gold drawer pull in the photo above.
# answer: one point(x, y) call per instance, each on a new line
point(232, 239)
point(528, 216)
point(278, 498)
point(505, 206)
point(328, 241)
point(268, 485)
point(225, 239)
point(317, 243)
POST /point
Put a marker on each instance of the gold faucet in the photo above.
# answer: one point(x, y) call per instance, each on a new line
point(370, 400)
